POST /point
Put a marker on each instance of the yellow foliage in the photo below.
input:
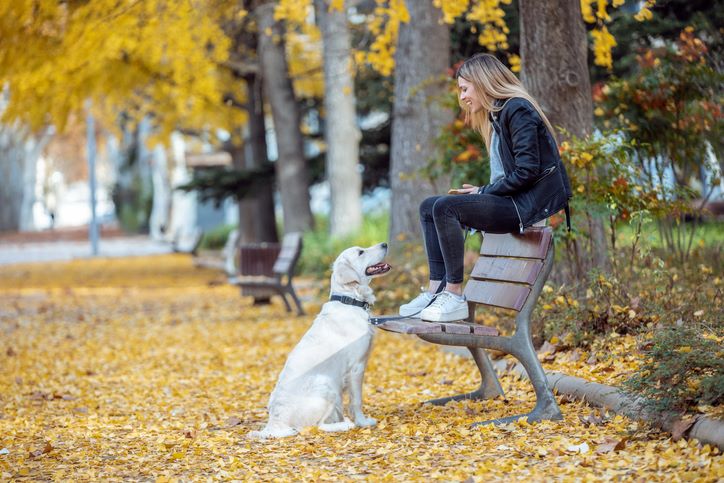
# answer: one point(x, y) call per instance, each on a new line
point(587, 11)
point(514, 61)
point(451, 9)
point(603, 43)
point(157, 57)
point(151, 369)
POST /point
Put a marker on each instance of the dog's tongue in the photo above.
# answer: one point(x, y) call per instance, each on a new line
point(378, 268)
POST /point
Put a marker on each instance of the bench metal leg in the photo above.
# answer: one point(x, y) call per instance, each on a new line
point(282, 294)
point(545, 406)
point(490, 387)
point(300, 310)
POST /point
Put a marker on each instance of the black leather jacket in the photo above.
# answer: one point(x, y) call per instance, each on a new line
point(535, 178)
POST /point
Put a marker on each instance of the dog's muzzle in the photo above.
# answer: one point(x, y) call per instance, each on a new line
point(378, 268)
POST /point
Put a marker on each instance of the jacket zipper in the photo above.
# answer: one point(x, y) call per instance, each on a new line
point(547, 172)
point(520, 220)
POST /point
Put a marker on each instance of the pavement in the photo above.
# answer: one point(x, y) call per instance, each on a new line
point(70, 244)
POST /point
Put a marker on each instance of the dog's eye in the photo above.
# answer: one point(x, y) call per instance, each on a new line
point(360, 252)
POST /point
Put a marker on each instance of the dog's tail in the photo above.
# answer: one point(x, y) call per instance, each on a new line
point(273, 430)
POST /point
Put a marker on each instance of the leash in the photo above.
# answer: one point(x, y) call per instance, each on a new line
point(382, 319)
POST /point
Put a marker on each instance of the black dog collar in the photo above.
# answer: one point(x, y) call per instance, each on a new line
point(349, 301)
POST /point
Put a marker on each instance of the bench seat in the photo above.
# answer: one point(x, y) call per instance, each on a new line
point(283, 272)
point(418, 326)
point(509, 274)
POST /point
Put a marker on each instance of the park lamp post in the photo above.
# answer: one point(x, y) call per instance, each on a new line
point(91, 143)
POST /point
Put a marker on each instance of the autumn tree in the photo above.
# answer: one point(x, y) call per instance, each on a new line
point(421, 58)
point(341, 132)
point(290, 165)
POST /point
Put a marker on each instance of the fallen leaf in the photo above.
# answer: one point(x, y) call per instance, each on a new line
point(680, 427)
point(592, 420)
point(582, 448)
point(611, 445)
point(39, 452)
point(232, 421)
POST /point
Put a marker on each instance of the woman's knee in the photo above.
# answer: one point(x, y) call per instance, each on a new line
point(426, 207)
point(442, 207)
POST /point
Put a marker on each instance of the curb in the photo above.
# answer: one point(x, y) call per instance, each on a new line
point(702, 428)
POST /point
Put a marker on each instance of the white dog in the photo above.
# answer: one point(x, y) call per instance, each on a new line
point(332, 355)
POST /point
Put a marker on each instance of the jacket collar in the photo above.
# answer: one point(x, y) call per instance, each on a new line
point(349, 301)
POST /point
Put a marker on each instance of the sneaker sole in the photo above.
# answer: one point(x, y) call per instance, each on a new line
point(451, 317)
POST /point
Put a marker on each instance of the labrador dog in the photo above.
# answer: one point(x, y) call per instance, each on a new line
point(331, 357)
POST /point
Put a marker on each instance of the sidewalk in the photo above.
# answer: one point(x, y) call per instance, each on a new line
point(72, 244)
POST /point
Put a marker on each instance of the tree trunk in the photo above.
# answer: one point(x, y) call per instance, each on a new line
point(19, 153)
point(422, 56)
point(291, 169)
point(257, 221)
point(554, 63)
point(161, 207)
point(341, 132)
point(184, 216)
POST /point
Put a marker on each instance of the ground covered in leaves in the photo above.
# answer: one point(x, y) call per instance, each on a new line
point(152, 369)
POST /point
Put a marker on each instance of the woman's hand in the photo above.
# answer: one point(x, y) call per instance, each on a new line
point(465, 190)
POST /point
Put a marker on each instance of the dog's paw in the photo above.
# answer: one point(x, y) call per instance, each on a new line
point(364, 421)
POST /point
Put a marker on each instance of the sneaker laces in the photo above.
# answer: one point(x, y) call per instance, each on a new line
point(441, 299)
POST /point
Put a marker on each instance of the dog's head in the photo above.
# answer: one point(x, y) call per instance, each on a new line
point(355, 267)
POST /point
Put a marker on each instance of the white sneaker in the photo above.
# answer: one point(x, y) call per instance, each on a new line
point(417, 304)
point(447, 307)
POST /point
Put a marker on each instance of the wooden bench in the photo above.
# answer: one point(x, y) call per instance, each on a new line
point(280, 280)
point(510, 274)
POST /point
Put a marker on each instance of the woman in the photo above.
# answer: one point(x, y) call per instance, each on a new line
point(528, 182)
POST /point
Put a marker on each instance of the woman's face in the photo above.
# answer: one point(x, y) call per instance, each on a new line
point(468, 95)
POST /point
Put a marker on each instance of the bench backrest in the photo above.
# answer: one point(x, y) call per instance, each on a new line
point(289, 254)
point(508, 267)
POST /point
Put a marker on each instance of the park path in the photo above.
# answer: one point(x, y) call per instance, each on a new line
point(149, 368)
point(72, 243)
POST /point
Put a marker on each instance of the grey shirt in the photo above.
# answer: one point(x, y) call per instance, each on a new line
point(496, 164)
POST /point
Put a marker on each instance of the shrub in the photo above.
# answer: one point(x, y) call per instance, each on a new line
point(683, 368)
point(215, 238)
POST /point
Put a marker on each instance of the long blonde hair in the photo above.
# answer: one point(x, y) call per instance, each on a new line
point(492, 81)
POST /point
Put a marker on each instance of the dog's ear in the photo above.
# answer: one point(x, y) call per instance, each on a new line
point(344, 274)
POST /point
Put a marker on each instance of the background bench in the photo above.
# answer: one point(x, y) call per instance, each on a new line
point(259, 276)
point(509, 274)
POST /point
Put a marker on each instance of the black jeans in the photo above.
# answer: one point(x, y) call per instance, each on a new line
point(443, 219)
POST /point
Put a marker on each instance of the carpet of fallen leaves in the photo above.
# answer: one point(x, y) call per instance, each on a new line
point(152, 369)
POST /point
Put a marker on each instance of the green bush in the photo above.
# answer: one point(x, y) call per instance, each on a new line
point(320, 250)
point(683, 368)
point(215, 238)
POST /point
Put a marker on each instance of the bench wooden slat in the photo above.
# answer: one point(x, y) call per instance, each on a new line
point(411, 326)
point(497, 294)
point(532, 244)
point(289, 253)
point(468, 328)
point(507, 269)
point(417, 326)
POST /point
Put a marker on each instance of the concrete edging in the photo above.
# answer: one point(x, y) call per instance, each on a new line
point(702, 428)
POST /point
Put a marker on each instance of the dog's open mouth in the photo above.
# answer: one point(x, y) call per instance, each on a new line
point(378, 269)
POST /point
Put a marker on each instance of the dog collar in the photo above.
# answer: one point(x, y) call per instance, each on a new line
point(349, 301)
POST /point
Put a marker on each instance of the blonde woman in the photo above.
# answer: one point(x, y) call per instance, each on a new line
point(528, 182)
